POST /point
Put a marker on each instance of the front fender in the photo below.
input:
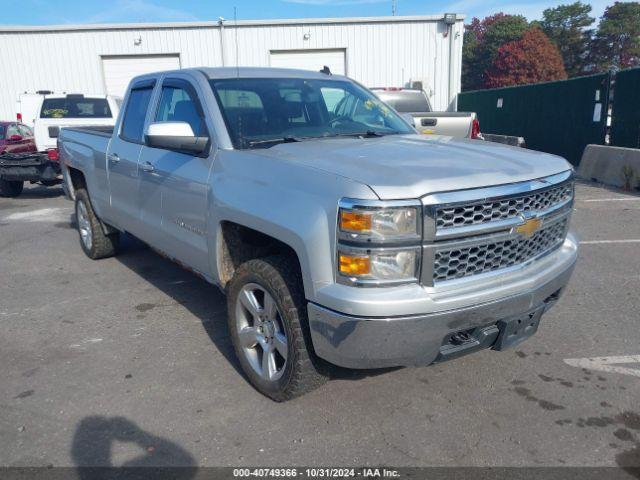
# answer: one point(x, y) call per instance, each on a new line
point(293, 203)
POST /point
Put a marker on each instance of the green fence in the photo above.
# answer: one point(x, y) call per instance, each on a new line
point(555, 117)
point(625, 125)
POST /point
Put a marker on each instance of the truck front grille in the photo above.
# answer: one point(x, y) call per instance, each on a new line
point(453, 262)
point(468, 233)
point(501, 209)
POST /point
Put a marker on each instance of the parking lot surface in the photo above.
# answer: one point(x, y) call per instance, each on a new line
point(128, 361)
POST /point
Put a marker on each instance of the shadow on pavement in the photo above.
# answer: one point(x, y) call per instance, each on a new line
point(40, 191)
point(93, 445)
point(201, 298)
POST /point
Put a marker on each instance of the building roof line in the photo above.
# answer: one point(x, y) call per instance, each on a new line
point(215, 24)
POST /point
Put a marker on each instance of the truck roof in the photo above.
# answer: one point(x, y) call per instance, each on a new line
point(77, 95)
point(262, 72)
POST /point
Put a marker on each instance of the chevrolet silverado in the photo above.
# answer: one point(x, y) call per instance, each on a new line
point(339, 235)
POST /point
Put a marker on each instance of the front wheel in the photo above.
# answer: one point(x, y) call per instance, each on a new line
point(9, 188)
point(93, 240)
point(268, 326)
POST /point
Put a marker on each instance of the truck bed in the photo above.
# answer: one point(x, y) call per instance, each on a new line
point(102, 130)
point(84, 147)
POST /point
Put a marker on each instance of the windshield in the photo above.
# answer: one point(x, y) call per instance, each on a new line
point(406, 101)
point(75, 107)
point(1, 132)
point(260, 112)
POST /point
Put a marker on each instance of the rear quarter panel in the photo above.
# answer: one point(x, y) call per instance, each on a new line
point(86, 152)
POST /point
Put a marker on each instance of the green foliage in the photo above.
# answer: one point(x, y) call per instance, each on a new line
point(567, 27)
point(482, 40)
point(617, 40)
point(530, 59)
point(614, 45)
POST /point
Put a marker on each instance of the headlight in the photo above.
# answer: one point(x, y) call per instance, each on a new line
point(379, 224)
point(389, 266)
point(379, 242)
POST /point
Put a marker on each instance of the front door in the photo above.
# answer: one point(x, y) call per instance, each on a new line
point(174, 185)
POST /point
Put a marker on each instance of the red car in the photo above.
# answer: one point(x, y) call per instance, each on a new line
point(16, 138)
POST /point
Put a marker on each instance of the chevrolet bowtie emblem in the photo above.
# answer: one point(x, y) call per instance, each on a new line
point(529, 227)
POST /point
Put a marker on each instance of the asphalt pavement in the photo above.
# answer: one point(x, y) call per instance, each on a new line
point(128, 361)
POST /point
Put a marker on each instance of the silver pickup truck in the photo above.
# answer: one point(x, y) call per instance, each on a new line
point(339, 235)
point(414, 104)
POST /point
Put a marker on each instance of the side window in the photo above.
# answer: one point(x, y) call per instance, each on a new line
point(133, 121)
point(25, 131)
point(177, 105)
point(332, 97)
point(12, 130)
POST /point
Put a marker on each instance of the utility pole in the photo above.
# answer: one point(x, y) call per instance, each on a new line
point(393, 8)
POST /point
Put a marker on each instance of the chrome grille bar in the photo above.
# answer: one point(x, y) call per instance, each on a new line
point(470, 233)
point(454, 261)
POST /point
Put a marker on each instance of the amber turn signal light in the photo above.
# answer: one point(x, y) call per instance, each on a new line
point(354, 221)
point(353, 265)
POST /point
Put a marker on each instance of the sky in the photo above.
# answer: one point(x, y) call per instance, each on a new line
point(48, 12)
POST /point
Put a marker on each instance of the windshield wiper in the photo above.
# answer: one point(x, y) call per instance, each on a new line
point(275, 140)
point(366, 134)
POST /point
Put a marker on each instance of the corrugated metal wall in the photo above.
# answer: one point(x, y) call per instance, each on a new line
point(379, 52)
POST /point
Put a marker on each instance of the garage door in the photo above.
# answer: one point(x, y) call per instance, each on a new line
point(310, 60)
point(118, 71)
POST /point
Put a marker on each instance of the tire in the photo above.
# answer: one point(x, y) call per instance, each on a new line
point(299, 370)
point(93, 240)
point(10, 188)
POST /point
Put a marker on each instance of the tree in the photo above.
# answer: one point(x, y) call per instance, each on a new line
point(566, 26)
point(617, 41)
point(530, 59)
point(482, 39)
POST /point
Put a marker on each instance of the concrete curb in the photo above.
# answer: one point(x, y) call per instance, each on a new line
point(616, 166)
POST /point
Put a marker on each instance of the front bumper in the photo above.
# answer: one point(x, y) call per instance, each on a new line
point(373, 342)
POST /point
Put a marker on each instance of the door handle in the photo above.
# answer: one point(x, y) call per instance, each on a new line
point(147, 167)
point(113, 158)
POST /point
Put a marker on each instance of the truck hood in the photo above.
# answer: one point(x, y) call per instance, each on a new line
point(411, 166)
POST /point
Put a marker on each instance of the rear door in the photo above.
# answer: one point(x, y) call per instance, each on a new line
point(123, 156)
point(174, 185)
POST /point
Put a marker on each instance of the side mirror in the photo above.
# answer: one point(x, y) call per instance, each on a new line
point(175, 136)
point(15, 138)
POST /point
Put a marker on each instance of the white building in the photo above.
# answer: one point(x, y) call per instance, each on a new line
point(376, 51)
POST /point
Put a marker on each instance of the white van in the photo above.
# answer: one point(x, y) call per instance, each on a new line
point(28, 106)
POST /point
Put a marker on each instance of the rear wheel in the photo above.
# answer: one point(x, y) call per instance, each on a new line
point(10, 188)
point(268, 326)
point(93, 240)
